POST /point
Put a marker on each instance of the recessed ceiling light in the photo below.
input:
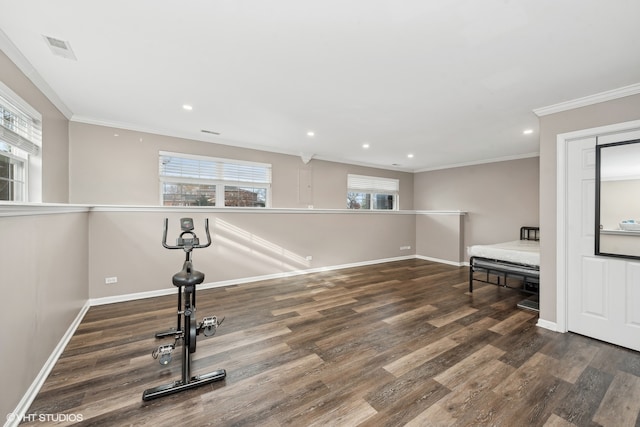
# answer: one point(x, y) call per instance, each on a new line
point(365, 145)
point(187, 107)
point(410, 156)
point(527, 131)
point(310, 133)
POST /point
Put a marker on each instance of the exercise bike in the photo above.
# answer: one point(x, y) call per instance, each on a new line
point(187, 326)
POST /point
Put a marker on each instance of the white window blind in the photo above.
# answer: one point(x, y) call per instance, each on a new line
point(19, 126)
point(213, 169)
point(372, 184)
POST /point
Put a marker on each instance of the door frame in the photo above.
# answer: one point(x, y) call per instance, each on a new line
point(562, 180)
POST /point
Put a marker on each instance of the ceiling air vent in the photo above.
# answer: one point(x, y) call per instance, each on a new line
point(60, 47)
point(210, 131)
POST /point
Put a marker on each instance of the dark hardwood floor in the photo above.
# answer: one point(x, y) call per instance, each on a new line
point(400, 343)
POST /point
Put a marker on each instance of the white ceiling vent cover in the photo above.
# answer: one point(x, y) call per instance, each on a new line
point(60, 47)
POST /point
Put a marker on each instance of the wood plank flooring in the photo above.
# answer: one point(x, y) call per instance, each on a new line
point(400, 343)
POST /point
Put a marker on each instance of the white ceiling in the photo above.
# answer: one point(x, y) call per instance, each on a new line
point(451, 82)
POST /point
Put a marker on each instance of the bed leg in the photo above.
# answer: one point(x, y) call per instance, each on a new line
point(471, 275)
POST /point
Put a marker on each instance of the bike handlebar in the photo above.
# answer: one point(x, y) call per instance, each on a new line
point(189, 243)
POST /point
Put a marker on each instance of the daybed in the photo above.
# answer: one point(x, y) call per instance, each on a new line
point(513, 264)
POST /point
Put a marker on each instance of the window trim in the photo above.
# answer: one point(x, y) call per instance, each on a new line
point(23, 180)
point(374, 185)
point(25, 139)
point(220, 184)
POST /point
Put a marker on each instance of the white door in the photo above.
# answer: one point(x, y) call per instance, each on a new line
point(603, 292)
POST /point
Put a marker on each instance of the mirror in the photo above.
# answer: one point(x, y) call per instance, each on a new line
point(618, 199)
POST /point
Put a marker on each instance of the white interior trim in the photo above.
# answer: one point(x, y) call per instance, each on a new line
point(588, 100)
point(563, 140)
point(19, 209)
point(242, 280)
point(480, 162)
point(442, 261)
point(20, 103)
point(248, 210)
point(200, 209)
point(215, 139)
point(25, 209)
point(460, 213)
point(552, 326)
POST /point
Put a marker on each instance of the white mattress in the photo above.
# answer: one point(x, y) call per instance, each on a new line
point(520, 251)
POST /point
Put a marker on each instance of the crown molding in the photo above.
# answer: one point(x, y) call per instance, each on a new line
point(219, 140)
point(480, 162)
point(596, 98)
point(12, 52)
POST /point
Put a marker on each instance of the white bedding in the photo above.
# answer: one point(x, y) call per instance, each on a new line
point(520, 251)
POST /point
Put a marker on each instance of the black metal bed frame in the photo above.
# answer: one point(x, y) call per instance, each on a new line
point(500, 271)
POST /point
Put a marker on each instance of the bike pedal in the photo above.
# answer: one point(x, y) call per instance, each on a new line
point(163, 353)
point(209, 325)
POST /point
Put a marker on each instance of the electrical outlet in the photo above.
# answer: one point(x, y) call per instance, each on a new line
point(309, 258)
point(405, 248)
point(110, 280)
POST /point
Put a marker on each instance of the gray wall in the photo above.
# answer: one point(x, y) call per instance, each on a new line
point(123, 169)
point(44, 286)
point(618, 202)
point(125, 242)
point(605, 113)
point(45, 268)
point(498, 197)
point(440, 237)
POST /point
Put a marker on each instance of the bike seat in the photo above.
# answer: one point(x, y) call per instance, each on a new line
point(188, 276)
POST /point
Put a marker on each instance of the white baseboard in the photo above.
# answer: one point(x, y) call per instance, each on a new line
point(441, 261)
point(131, 297)
point(14, 418)
point(552, 326)
point(223, 283)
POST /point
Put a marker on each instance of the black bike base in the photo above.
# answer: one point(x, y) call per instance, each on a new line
point(178, 386)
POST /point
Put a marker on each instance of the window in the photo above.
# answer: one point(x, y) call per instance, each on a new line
point(20, 141)
point(369, 192)
point(188, 180)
